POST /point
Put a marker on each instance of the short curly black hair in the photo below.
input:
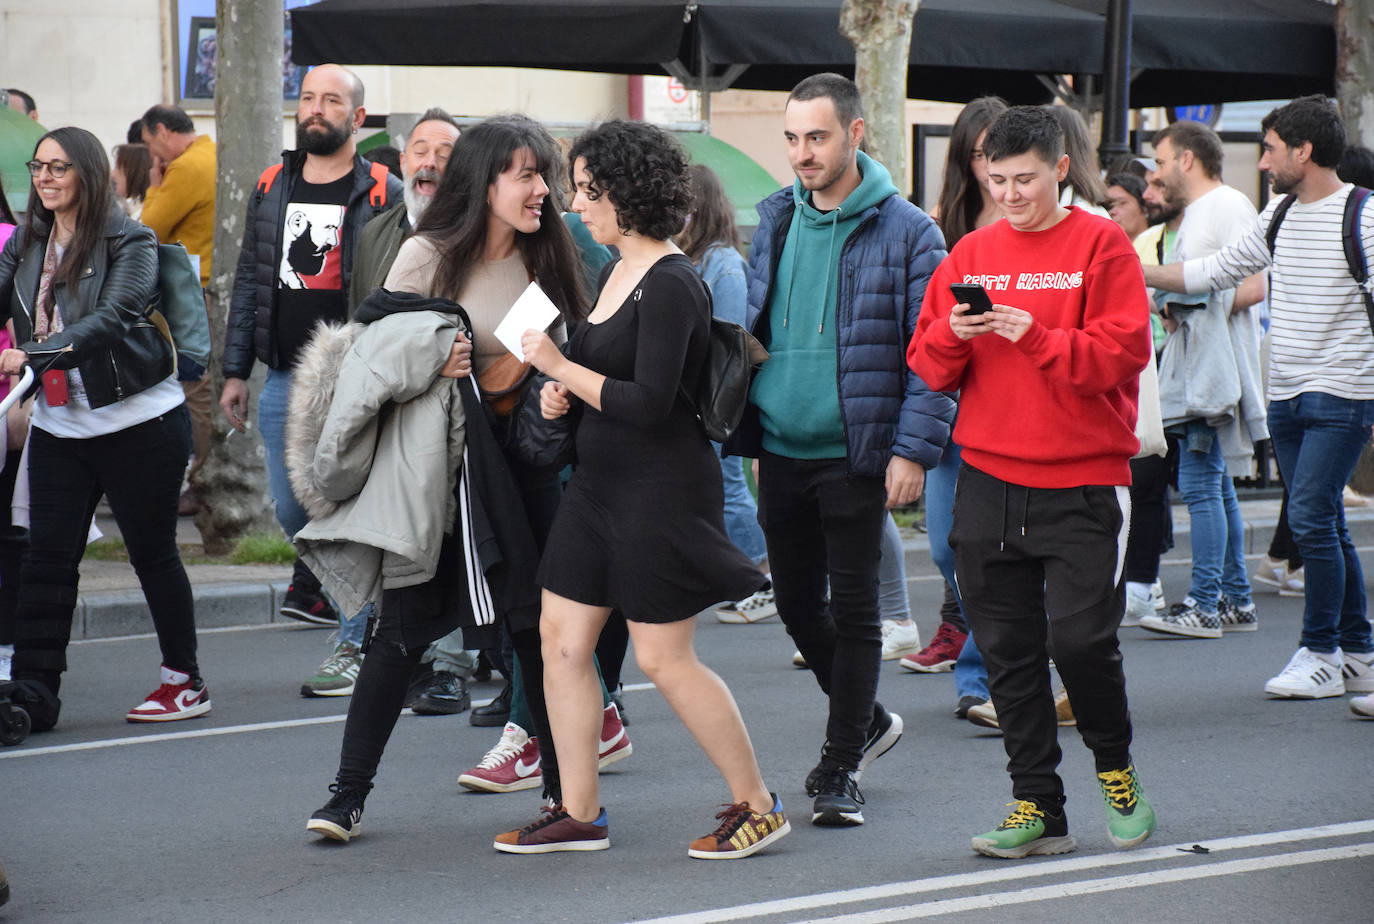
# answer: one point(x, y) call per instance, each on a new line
point(644, 171)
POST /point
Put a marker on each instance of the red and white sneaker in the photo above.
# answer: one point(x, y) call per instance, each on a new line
point(939, 655)
point(179, 697)
point(615, 741)
point(511, 766)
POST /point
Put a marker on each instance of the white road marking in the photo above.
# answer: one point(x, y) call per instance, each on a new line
point(104, 743)
point(1012, 872)
point(1093, 886)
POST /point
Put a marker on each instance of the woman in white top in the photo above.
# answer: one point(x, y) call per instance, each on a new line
point(109, 421)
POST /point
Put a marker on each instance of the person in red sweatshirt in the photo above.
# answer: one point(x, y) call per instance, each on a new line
point(1047, 414)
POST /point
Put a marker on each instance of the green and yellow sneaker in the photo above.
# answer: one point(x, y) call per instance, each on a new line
point(1130, 817)
point(1028, 831)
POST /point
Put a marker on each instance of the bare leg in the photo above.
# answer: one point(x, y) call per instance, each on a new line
point(704, 704)
point(569, 631)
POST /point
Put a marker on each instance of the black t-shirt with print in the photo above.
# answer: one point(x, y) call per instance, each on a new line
point(310, 275)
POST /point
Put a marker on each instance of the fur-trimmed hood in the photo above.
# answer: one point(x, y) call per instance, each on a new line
point(312, 390)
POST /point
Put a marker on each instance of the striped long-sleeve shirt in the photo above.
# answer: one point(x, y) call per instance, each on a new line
point(1320, 337)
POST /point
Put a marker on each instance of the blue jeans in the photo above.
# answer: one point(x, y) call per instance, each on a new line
point(1218, 531)
point(290, 514)
point(1317, 440)
point(970, 674)
point(741, 513)
point(892, 598)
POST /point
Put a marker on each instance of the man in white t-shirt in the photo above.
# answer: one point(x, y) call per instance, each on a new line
point(1321, 384)
point(1209, 385)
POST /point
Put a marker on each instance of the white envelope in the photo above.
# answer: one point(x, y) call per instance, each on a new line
point(531, 311)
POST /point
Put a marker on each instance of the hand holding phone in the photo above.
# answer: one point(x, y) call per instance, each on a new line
point(973, 295)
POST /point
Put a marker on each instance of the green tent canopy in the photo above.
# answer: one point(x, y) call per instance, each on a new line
point(18, 135)
point(746, 183)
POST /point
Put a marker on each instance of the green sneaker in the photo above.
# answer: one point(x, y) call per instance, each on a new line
point(1130, 817)
point(1028, 831)
point(337, 674)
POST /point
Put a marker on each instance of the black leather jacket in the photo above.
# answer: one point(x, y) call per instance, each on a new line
point(106, 333)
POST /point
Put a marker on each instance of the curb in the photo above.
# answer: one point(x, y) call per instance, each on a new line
point(117, 613)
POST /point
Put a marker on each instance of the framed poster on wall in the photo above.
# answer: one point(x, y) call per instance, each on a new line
point(197, 48)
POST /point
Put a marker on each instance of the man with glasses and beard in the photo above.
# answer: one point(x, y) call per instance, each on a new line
point(278, 297)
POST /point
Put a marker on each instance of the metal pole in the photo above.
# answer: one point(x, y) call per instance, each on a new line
point(1116, 65)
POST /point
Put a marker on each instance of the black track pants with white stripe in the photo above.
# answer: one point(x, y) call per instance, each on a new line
point(1039, 572)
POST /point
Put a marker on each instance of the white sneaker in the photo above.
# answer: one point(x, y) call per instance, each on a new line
point(1308, 676)
point(753, 608)
point(1157, 596)
point(1357, 670)
point(1363, 706)
point(1274, 573)
point(1293, 585)
point(1136, 609)
point(899, 640)
point(6, 656)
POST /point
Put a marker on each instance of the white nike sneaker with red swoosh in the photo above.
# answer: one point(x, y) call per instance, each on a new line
point(181, 696)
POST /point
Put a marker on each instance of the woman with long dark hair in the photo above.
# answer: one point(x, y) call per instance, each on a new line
point(641, 453)
point(490, 230)
point(965, 202)
point(79, 277)
point(965, 205)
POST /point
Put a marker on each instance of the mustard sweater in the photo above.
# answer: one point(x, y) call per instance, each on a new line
point(183, 207)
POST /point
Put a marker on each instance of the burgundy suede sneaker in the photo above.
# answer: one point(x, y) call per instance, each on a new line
point(556, 830)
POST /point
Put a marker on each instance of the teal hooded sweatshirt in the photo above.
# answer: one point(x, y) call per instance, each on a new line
point(797, 390)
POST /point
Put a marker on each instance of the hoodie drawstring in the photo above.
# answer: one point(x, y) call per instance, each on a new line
point(1025, 513)
point(829, 264)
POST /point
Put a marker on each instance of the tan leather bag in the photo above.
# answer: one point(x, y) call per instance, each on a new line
point(502, 383)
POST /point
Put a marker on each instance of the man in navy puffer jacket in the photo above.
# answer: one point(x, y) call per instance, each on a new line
point(843, 431)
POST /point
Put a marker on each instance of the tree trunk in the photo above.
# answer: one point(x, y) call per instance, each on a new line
point(1355, 69)
point(880, 31)
point(232, 485)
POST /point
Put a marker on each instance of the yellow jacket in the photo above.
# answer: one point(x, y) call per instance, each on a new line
point(183, 207)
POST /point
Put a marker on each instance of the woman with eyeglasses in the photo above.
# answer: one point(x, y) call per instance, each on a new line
point(78, 277)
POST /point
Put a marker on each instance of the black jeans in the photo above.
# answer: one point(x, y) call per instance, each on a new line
point(1282, 547)
point(821, 522)
point(139, 471)
point(1149, 518)
point(1038, 572)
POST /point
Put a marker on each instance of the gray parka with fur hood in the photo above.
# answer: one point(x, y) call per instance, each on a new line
point(374, 437)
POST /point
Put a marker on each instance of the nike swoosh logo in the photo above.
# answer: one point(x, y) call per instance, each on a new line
point(187, 698)
point(606, 745)
point(523, 769)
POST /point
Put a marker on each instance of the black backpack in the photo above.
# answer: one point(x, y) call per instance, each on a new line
point(1351, 241)
point(732, 353)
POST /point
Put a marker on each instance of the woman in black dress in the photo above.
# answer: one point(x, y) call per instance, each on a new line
point(640, 527)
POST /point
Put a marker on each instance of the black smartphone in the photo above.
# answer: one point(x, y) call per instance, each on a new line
point(973, 295)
